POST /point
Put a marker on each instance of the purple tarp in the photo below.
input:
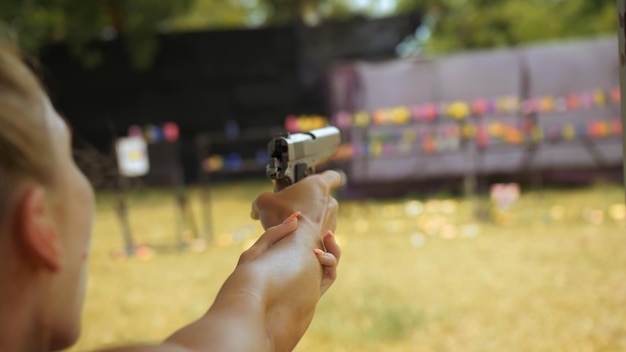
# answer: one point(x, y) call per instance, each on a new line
point(575, 70)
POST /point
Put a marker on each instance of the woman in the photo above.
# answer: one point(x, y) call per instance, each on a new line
point(46, 213)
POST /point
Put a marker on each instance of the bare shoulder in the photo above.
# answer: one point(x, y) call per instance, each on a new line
point(165, 347)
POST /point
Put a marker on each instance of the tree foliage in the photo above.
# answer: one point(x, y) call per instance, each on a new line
point(36, 23)
point(471, 24)
point(212, 14)
point(460, 24)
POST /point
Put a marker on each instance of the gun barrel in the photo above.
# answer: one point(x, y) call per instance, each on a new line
point(321, 143)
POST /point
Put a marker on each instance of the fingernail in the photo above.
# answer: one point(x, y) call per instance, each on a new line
point(292, 217)
point(318, 251)
point(330, 234)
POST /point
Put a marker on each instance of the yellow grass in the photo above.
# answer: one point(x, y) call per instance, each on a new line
point(423, 275)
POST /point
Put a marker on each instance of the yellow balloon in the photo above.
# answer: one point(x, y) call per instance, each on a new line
point(547, 104)
point(459, 110)
point(569, 132)
point(361, 119)
point(213, 163)
point(599, 98)
point(537, 134)
point(376, 148)
point(495, 129)
point(400, 115)
point(469, 131)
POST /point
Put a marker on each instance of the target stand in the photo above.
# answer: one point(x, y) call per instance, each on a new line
point(149, 158)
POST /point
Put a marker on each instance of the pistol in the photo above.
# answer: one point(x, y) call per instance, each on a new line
point(294, 156)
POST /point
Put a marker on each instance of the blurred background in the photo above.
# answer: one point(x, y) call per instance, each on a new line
point(481, 139)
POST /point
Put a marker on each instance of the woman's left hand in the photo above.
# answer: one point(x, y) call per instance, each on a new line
point(329, 260)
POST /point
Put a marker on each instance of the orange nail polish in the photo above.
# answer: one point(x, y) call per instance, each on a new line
point(292, 217)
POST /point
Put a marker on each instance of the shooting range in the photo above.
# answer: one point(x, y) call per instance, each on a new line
point(483, 145)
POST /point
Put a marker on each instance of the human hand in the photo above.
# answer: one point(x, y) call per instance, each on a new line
point(311, 196)
point(280, 268)
point(270, 237)
point(329, 260)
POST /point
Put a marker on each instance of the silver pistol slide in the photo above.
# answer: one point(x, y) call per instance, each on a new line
point(294, 156)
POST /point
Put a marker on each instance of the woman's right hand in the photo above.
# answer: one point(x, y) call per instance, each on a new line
point(311, 196)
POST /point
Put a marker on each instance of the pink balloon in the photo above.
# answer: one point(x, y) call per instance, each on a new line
point(170, 131)
point(291, 124)
point(135, 131)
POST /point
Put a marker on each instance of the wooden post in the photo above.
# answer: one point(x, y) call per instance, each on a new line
point(121, 207)
point(203, 147)
point(187, 223)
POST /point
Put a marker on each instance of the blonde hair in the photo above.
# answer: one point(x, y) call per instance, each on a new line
point(25, 140)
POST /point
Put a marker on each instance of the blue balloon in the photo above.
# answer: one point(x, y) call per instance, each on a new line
point(231, 129)
point(261, 157)
point(158, 134)
point(153, 134)
point(233, 161)
point(365, 149)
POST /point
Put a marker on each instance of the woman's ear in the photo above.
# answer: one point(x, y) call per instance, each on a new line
point(35, 230)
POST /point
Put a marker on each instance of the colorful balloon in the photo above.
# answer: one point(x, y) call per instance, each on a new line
point(135, 131)
point(342, 119)
point(170, 131)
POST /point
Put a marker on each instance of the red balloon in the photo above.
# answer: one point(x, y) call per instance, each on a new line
point(479, 107)
point(482, 136)
point(171, 132)
point(291, 124)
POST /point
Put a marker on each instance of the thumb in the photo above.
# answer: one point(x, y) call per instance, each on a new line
point(254, 213)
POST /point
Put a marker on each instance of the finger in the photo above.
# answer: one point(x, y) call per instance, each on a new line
point(332, 179)
point(327, 259)
point(268, 239)
point(261, 199)
point(330, 273)
point(276, 233)
point(254, 212)
point(330, 242)
point(331, 213)
point(272, 235)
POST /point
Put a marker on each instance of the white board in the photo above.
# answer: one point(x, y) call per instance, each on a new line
point(132, 156)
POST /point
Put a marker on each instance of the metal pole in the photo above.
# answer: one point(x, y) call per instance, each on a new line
point(621, 35)
point(121, 207)
point(203, 148)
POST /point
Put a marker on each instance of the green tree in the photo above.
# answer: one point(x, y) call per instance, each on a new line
point(36, 23)
point(460, 24)
point(206, 14)
point(473, 24)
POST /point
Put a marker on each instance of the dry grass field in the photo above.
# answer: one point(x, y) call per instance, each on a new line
point(417, 274)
